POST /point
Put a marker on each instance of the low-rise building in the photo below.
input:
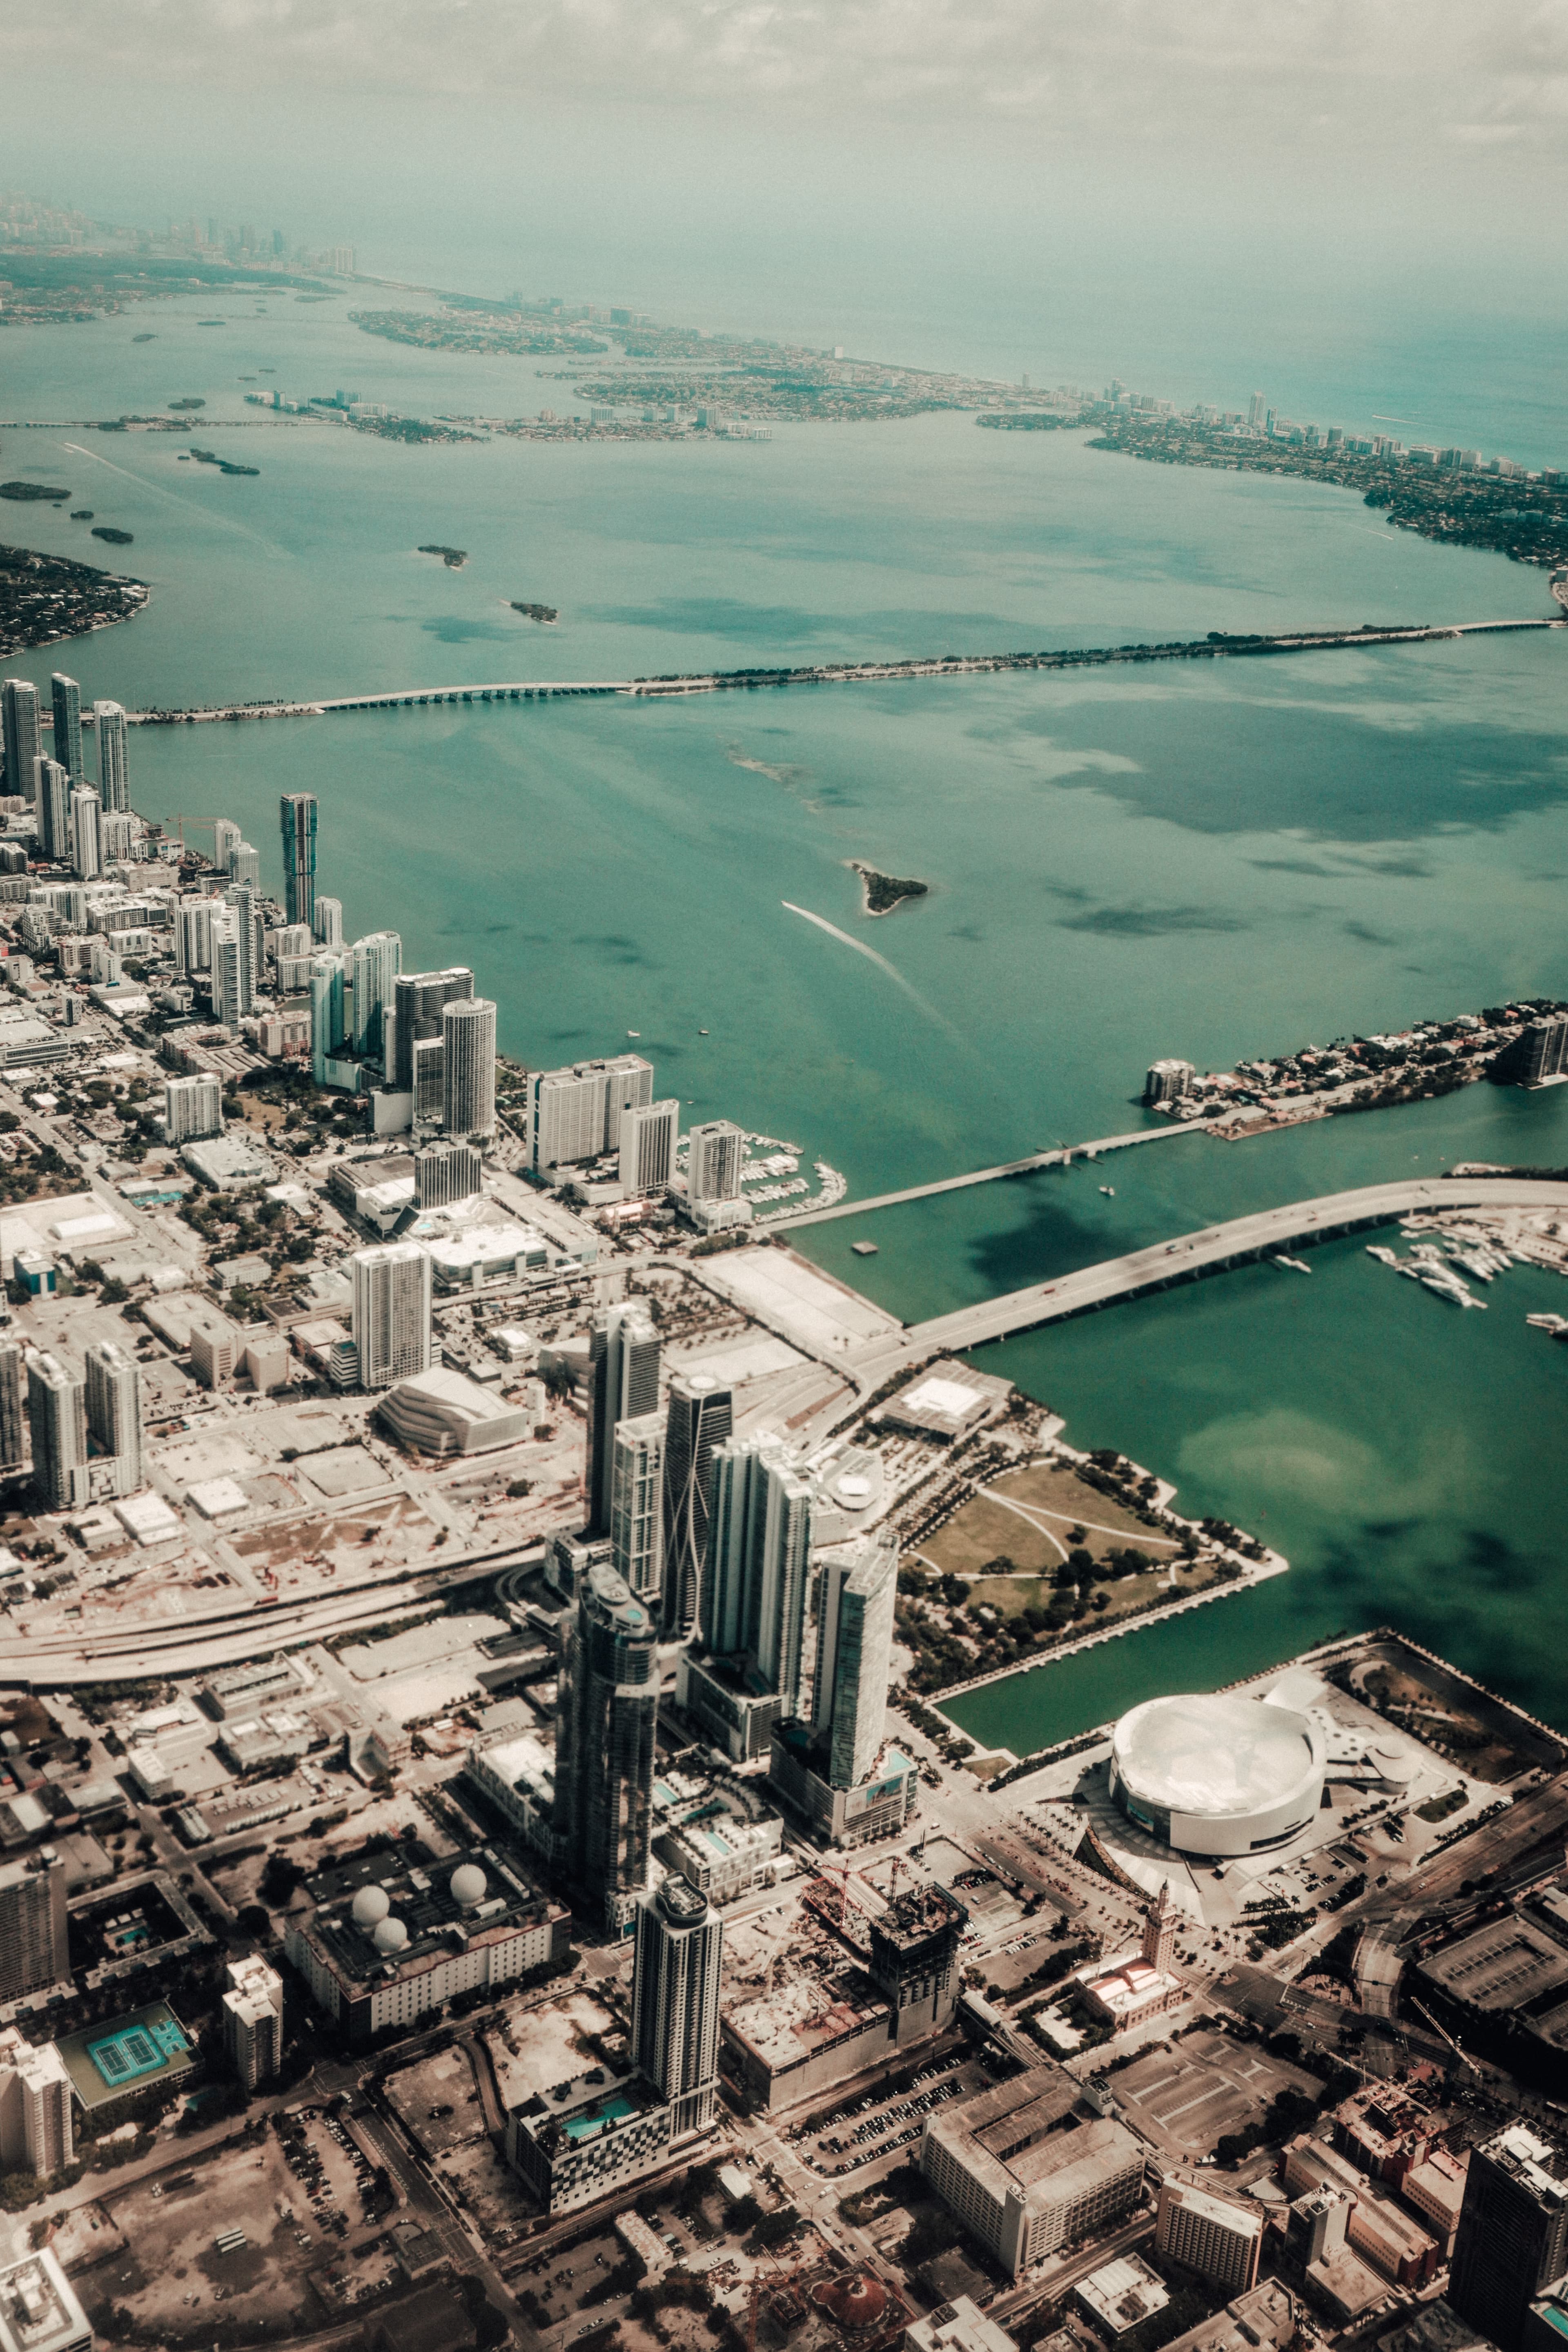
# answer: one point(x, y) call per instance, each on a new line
point(439, 1412)
point(579, 2142)
point(957, 2327)
point(38, 2307)
point(1436, 2187)
point(947, 1399)
point(227, 1163)
point(805, 2035)
point(1263, 2320)
point(716, 1695)
point(517, 1777)
point(1131, 1993)
point(1025, 2172)
point(873, 1808)
point(1121, 2294)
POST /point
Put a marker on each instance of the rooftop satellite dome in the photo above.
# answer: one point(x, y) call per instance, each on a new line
point(370, 1906)
point(468, 1883)
point(390, 1935)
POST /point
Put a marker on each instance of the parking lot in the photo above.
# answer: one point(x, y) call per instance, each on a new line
point(436, 2101)
point(330, 2170)
point(1185, 2096)
point(887, 2119)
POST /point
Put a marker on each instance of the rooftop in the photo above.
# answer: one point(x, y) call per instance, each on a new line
point(803, 2015)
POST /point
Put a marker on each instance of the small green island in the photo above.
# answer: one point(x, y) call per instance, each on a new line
point(190, 402)
point(81, 514)
point(24, 493)
point(536, 612)
point(881, 893)
point(224, 465)
point(454, 558)
point(114, 537)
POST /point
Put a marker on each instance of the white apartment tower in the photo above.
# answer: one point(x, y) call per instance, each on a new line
point(623, 1383)
point(56, 1421)
point(114, 1416)
point(86, 835)
point(253, 2021)
point(574, 1114)
point(36, 2133)
point(757, 1576)
point(11, 1422)
point(648, 1146)
point(327, 922)
point(468, 1067)
point(856, 1589)
point(675, 2001)
point(372, 966)
point(636, 1516)
point(193, 1106)
point(226, 838)
point(113, 767)
point(718, 1154)
point(391, 1313)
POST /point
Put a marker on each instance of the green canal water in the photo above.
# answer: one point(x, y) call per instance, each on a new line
point(1210, 859)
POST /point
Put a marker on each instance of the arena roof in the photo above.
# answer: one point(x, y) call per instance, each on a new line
point(1215, 1755)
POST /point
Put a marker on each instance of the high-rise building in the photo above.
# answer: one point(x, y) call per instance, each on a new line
point(623, 1384)
point(1513, 2237)
point(429, 1069)
point(469, 1067)
point(114, 1413)
point(245, 865)
point(86, 835)
point(675, 2001)
point(51, 799)
point(444, 1172)
point(67, 696)
point(113, 767)
point(637, 1527)
point(327, 922)
point(23, 739)
point(193, 934)
point(36, 2133)
point(608, 1709)
point(856, 1591)
point(700, 1417)
point(648, 1146)
point(1168, 1081)
point(1256, 407)
point(1214, 2236)
point(226, 838)
point(326, 1012)
point(391, 1313)
point(419, 999)
point(231, 966)
point(57, 1423)
point(756, 1579)
point(298, 816)
point(574, 1114)
point(253, 2021)
point(35, 1947)
point(717, 1155)
point(12, 1449)
point(371, 971)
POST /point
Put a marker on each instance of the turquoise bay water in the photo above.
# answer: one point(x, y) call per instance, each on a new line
point(1211, 859)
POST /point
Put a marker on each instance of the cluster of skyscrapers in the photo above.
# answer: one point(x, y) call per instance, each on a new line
point(72, 814)
point(86, 1428)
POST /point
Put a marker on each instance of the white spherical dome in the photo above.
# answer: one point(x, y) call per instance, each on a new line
point(468, 1885)
point(1217, 1774)
point(370, 1906)
point(390, 1935)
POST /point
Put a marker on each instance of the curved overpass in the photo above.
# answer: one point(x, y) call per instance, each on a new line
point(1210, 1251)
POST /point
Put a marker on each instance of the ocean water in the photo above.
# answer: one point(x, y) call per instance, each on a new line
point(1209, 860)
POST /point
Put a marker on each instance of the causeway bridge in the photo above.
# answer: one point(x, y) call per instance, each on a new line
point(1061, 1155)
point(1217, 646)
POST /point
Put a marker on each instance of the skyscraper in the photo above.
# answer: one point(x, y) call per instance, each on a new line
point(245, 865)
point(114, 1412)
point(326, 1012)
point(253, 2021)
point(11, 1445)
point(328, 923)
point(371, 967)
point(469, 1067)
point(391, 1313)
point(193, 1106)
point(575, 1113)
point(855, 1596)
point(56, 1421)
point(608, 1709)
point(675, 2001)
point(623, 1384)
point(35, 1949)
point(700, 1417)
point(226, 838)
point(428, 1062)
point(51, 798)
point(637, 1466)
point(756, 1577)
point(444, 1172)
point(113, 767)
point(86, 835)
point(193, 934)
point(419, 999)
point(23, 740)
point(231, 966)
point(718, 1154)
point(648, 1146)
point(37, 2132)
point(297, 814)
point(1512, 2239)
point(67, 696)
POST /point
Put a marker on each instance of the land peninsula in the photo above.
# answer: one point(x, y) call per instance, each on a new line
point(44, 598)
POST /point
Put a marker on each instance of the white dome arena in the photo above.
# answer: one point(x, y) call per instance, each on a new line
point(1217, 1775)
point(370, 1906)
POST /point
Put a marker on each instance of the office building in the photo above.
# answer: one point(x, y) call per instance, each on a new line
point(574, 1114)
point(327, 922)
point(326, 1013)
point(1168, 1081)
point(298, 817)
point(51, 811)
point(429, 1062)
point(86, 835)
point(56, 1422)
point(22, 737)
point(370, 974)
point(856, 1591)
point(217, 1345)
point(1512, 2239)
point(114, 1417)
point(648, 1147)
point(1216, 2237)
point(39, 2309)
point(622, 1385)
point(756, 1574)
point(700, 1418)
point(253, 2021)
point(245, 865)
point(37, 2132)
point(226, 838)
point(716, 1156)
point(468, 1067)
point(1024, 2173)
point(636, 1467)
point(446, 1171)
point(419, 999)
point(113, 767)
point(675, 2001)
point(35, 1949)
point(391, 1313)
point(67, 696)
point(607, 1708)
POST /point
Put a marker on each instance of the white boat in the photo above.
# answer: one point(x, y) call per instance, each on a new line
point(1384, 1256)
point(1296, 1264)
point(1547, 1322)
point(1109, 1190)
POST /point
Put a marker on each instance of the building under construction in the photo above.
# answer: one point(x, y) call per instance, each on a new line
point(914, 1959)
